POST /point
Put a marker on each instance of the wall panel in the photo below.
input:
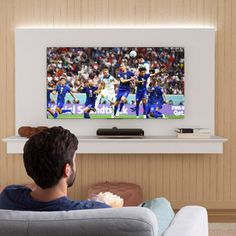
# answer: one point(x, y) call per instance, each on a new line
point(232, 98)
point(184, 179)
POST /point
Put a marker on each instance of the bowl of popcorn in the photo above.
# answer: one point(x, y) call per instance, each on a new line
point(109, 198)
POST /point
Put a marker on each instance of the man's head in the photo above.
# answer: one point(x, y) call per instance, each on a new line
point(63, 81)
point(122, 67)
point(90, 83)
point(51, 84)
point(50, 156)
point(140, 59)
point(153, 82)
point(142, 71)
point(105, 72)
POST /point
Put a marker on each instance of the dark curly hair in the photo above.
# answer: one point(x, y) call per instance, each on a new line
point(47, 153)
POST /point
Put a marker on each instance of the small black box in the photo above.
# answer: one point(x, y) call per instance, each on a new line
point(120, 132)
point(185, 130)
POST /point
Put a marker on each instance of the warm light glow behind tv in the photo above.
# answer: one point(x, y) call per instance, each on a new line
point(117, 82)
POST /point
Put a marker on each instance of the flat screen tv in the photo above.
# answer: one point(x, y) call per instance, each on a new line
point(115, 82)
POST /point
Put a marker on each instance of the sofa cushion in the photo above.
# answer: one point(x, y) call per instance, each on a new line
point(132, 221)
point(163, 211)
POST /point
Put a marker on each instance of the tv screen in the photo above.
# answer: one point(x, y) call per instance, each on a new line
point(115, 82)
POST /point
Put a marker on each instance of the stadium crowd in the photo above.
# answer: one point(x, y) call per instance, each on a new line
point(81, 64)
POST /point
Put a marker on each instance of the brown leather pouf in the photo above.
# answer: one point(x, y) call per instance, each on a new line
point(131, 193)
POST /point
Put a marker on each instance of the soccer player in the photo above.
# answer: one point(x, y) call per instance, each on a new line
point(108, 82)
point(50, 89)
point(156, 98)
point(62, 89)
point(141, 92)
point(125, 78)
point(91, 91)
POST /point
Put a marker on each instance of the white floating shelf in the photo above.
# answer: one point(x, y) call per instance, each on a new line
point(147, 144)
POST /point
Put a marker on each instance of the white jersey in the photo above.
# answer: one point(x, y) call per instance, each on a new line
point(109, 83)
point(109, 91)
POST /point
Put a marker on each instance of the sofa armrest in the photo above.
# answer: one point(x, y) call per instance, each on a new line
point(189, 221)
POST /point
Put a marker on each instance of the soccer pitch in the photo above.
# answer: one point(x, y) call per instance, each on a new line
point(94, 116)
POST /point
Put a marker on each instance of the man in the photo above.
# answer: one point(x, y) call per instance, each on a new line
point(141, 92)
point(91, 91)
point(50, 90)
point(108, 82)
point(156, 98)
point(62, 89)
point(125, 76)
point(49, 159)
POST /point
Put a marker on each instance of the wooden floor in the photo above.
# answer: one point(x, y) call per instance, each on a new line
point(222, 229)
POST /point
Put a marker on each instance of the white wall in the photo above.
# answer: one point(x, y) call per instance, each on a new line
point(30, 56)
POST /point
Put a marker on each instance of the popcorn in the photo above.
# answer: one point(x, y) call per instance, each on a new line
point(110, 199)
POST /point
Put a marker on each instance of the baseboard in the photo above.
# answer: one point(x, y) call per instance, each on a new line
point(219, 205)
point(222, 216)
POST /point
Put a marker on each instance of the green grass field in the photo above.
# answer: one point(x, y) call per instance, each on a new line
point(94, 116)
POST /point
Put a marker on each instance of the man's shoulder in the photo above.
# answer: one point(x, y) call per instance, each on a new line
point(130, 73)
point(86, 204)
point(14, 190)
point(15, 187)
point(120, 74)
point(112, 77)
point(12, 196)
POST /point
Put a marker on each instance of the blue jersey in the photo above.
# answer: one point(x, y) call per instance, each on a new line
point(159, 94)
point(61, 92)
point(90, 95)
point(155, 95)
point(125, 75)
point(142, 87)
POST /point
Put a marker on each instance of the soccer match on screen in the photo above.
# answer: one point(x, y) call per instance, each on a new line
point(115, 82)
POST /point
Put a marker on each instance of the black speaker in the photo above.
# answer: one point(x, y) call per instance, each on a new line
point(120, 132)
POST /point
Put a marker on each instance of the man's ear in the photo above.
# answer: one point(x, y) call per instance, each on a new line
point(67, 170)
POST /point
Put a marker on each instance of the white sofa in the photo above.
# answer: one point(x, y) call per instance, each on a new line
point(127, 221)
point(189, 221)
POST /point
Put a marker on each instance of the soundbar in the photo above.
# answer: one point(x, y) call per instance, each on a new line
point(116, 133)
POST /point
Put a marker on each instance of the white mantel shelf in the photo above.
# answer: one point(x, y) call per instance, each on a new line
point(147, 144)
